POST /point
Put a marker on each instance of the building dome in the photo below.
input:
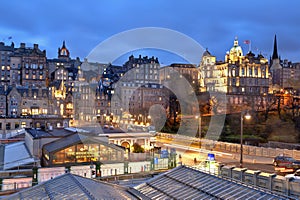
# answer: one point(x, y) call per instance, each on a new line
point(236, 51)
point(206, 53)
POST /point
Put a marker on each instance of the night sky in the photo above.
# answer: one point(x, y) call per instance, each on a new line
point(213, 24)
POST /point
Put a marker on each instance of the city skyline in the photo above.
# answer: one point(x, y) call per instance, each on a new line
point(212, 24)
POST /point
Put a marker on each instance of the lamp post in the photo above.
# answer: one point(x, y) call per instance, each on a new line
point(247, 117)
point(149, 120)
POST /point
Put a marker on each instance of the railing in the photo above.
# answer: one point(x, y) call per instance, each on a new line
point(235, 148)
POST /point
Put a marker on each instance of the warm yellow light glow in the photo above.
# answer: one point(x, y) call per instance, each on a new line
point(247, 116)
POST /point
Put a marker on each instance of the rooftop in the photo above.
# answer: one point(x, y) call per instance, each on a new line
point(70, 186)
point(14, 155)
point(56, 132)
point(188, 183)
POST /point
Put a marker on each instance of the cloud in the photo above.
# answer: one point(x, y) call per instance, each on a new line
point(213, 24)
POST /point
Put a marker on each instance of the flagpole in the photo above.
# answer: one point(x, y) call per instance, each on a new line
point(249, 45)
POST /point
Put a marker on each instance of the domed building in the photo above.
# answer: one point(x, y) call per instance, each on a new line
point(235, 52)
point(243, 78)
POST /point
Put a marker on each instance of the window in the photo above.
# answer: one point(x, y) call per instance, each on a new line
point(24, 111)
point(8, 126)
point(243, 71)
point(34, 111)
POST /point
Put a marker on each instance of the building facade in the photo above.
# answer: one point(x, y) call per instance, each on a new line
point(32, 63)
point(5, 68)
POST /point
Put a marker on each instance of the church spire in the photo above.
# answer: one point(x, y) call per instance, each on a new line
point(275, 53)
point(64, 44)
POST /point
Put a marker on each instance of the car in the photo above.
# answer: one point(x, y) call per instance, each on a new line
point(105, 126)
point(286, 161)
point(295, 175)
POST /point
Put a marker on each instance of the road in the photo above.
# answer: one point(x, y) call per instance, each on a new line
point(190, 153)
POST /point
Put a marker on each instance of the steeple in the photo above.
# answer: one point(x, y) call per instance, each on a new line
point(63, 52)
point(275, 53)
point(64, 45)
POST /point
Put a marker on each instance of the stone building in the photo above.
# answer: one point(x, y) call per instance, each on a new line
point(3, 100)
point(5, 68)
point(285, 74)
point(27, 101)
point(188, 71)
point(144, 97)
point(29, 66)
point(244, 79)
point(65, 68)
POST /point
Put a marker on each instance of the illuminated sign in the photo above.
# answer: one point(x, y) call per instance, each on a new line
point(85, 154)
point(210, 156)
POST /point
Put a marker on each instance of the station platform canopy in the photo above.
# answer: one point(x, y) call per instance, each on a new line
point(188, 183)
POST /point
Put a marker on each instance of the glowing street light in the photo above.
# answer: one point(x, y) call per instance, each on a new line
point(247, 117)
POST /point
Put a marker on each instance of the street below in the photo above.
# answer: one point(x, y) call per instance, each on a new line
point(192, 155)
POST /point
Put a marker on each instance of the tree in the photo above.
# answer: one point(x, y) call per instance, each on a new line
point(138, 148)
point(270, 102)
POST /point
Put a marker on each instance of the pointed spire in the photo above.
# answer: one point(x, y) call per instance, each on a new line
point(64, 45)
point(275, 53)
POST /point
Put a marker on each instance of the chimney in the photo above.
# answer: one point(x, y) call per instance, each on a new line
point(22, 45)
point(35, 46)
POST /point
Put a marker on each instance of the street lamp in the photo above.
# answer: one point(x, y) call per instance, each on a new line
point(247, 117)
point(149, 120)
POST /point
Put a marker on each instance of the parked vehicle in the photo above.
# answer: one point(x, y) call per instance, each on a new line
point(286, 161)
point(295, 175)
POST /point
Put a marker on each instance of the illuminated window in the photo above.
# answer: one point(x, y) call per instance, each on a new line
point(44, 111)
point(34, 111)
point(26, 76)
point(24, 111)
point(34, 76)
point(3, 67)
point(69, 106)
point(23, 125)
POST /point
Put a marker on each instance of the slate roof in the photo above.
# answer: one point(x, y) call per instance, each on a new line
point(39, 133)
point(15, 154)
point(70, 186)
point(188, 183)
point(75, 139)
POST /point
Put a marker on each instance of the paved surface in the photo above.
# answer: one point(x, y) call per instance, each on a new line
point(188, 155)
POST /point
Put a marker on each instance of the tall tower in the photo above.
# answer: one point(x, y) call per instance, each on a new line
point(63, 52)
point(275, 53)
point(276, 68)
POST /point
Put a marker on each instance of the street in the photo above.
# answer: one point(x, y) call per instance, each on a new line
point(191, 155)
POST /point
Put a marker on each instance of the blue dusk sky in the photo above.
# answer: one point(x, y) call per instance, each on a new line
point(213, 24)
